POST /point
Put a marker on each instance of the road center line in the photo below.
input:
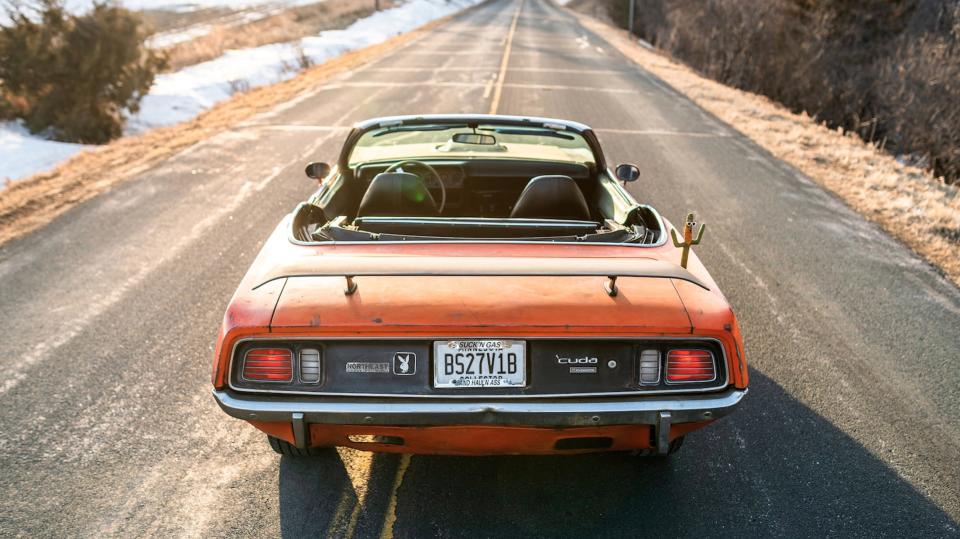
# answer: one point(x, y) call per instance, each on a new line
point(346, 516)
point(498, 89)
point(390, 517)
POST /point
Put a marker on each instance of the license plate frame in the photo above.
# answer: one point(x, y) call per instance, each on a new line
point(482, 364)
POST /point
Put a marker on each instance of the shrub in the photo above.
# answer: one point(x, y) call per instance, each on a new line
point(71, 76)
point(886, 69)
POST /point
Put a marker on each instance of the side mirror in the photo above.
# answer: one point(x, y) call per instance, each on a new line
point(317, 171)
point(627, 172)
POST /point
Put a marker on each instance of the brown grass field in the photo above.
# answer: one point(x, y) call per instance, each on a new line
point(284, 26)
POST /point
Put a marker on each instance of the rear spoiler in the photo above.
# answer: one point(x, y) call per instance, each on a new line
point(467, 266)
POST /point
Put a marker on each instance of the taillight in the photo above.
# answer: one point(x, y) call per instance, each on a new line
point(310, 366)
point(268, 365)
point(687, 366)
point(650, 367)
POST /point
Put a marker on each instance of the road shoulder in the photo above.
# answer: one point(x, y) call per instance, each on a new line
point(907, 202)
point(33, 202)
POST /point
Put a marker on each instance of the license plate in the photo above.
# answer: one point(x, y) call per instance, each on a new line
point(479, 363)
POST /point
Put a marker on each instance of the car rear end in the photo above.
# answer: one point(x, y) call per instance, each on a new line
point(480, 395)
point(481, 365)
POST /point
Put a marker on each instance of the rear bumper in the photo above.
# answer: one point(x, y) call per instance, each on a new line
point(659, 413)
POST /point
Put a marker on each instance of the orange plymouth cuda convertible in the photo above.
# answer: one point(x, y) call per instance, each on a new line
point(472, 284)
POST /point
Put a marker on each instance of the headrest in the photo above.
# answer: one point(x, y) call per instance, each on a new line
point(397, 194)
point(552, 197)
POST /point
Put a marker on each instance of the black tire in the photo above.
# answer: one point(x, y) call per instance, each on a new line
point(652, 452)
point(286, 448)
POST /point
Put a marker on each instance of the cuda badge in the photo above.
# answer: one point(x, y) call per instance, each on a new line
point(404, 363)
point(576, 360)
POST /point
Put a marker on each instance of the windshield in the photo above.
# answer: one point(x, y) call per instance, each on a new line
point(464, 142)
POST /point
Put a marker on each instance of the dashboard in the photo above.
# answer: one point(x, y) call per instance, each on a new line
point(451, 172)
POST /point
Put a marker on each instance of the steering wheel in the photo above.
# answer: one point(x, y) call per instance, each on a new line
point(432, 171)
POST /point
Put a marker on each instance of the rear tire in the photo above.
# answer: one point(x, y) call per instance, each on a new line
point(284, 447)
point(652, 452)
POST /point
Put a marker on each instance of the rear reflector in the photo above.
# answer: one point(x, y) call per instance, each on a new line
point(649, 367)
point(309, 366)
point(268, 365)
point(687, 366)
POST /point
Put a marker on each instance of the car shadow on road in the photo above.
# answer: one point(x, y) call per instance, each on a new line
point(310, 492)
point(775, 467)
point(341, 493)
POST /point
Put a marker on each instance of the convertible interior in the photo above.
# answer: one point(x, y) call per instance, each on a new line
point(476, 197)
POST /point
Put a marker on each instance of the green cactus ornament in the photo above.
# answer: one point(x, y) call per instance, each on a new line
point(688, 240)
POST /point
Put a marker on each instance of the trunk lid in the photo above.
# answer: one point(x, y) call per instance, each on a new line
point(479, 306)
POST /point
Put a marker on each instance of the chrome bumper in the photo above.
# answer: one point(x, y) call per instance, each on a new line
point(659, 411)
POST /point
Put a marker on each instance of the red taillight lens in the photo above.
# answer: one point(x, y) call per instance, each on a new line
point(268, 365)
point(690, 366)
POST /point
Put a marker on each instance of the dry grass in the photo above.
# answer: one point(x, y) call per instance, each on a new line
point(163, 20)
point(908, 202)
point(889, 70)
point(30, 203)
point(284, 26)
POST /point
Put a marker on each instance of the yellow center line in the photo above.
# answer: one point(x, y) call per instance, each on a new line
point(353, 499)
point(498, 89)
point(390, 517)
point(354, 518)
point(339, 518)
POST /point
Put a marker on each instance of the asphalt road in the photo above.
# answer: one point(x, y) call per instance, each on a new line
point(109, 315)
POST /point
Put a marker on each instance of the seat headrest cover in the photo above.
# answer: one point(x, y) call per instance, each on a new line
point(552, 197)
point(397, 194)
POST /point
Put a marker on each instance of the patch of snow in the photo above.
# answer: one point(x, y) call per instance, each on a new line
point(23, 154)
point(179, 35)
point(172, 37)
point(166, 39)
point(179, 96)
